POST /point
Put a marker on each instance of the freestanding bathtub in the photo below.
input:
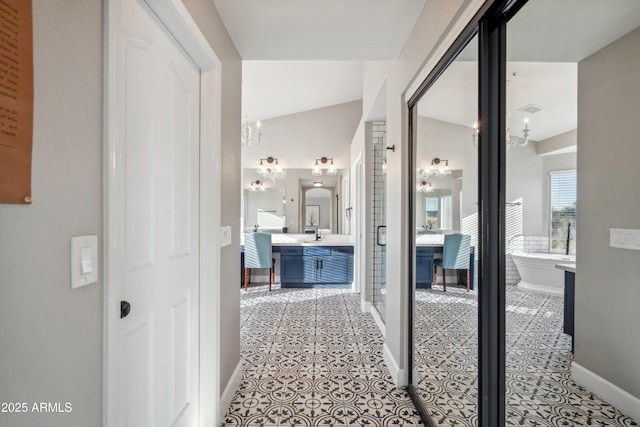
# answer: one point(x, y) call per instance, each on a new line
point(538, 271)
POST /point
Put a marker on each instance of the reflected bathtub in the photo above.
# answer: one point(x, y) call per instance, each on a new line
point(538, 271)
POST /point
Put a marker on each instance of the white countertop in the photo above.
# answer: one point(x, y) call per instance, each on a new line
point(570, 267)
point(278, 239)
point(430, 240)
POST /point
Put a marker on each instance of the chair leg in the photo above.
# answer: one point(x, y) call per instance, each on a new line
point(272, 273)
point(435, 275)
point(444, 279)
point(247, 278)
point(468, 278)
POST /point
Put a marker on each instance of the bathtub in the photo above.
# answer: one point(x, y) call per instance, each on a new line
point(538, 271)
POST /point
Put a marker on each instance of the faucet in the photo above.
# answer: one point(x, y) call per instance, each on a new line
point(255, 228)
point(318, 236)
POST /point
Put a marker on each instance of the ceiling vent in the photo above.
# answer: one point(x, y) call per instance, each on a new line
point(530, 108)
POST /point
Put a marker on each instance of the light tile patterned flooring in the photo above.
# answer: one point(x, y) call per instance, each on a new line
point(312, 358)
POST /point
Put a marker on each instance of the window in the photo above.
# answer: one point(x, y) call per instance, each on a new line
point(562, 225)
point(445, 203)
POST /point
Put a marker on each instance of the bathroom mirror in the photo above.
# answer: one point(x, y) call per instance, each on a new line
point(438, 203)
point(265, 209)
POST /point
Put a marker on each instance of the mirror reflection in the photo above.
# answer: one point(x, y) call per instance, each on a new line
point(445, 344)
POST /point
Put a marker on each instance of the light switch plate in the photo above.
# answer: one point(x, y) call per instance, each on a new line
point(225, 236)
point(624, 238)
point(84, 260)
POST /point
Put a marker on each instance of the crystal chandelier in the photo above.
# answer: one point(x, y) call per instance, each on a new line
point(510, 140)
point(247, 138)
point(435, 169)
point(316, 171)
point(271, 170)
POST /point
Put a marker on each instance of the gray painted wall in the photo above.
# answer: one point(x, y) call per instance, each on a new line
point(607, 336)
point(50, 336)
point(206, 16)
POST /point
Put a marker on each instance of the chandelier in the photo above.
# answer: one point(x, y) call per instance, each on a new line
point(247, 137)
point(435, 169)
point(425, 187)
point(510, 140)
point(272, 170)
point(316, 171)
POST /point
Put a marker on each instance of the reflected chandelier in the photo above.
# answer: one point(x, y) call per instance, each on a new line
point(510, 140)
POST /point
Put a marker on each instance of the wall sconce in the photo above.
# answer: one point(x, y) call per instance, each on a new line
point(316, 171)
point(436, 169)
point(425, 187)
point(271, 172)
point(257, 186)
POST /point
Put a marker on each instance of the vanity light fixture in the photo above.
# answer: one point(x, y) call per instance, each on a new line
point(436, 169)
point(425, 187)
point(267, 171)
point(246, 134)
point(331, 170)
point(257, 186)
point(510, 140)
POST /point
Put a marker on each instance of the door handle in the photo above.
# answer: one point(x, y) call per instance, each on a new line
point(378, 235)
point(125, 308)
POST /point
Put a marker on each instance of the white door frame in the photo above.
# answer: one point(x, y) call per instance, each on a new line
point(174, 15)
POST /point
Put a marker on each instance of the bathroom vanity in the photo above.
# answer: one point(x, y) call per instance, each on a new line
point(309, 263)
point(429, 247)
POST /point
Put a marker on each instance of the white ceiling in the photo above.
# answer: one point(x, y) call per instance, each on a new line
point(546, 40)
point(300, 55)
point(278, 88)
point(319, 29)
point(306, 54)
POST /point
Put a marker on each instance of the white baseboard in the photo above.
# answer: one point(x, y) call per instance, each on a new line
point(399, 375)
point(365, 306)
point(624, 401)
point(230, 391)
point(376, 318)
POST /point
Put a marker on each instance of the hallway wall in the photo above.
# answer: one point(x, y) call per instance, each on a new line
point(607, 337)
point(50, 335)
point(51, 347)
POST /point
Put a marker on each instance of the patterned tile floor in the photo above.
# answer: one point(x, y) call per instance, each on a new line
point(312, 358)
point(540, 391)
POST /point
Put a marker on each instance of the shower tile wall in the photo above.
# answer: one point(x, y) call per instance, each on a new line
point(378, 212)
point(538, 244)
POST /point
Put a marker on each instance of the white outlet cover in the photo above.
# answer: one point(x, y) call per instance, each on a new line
point(624, 238)
point(84, 260)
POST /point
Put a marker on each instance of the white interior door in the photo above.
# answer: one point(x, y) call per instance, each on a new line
point(157, 239)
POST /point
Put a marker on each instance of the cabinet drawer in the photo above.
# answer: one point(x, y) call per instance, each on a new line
point(291, 250)
point(316, 250)
point(347, 250)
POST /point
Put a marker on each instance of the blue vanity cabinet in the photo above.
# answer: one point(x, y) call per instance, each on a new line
point(291, 264)
point(424, 266)
point(316, 266)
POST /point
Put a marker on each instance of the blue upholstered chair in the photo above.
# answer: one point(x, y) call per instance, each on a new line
point(455, 256)
point(257, 254)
